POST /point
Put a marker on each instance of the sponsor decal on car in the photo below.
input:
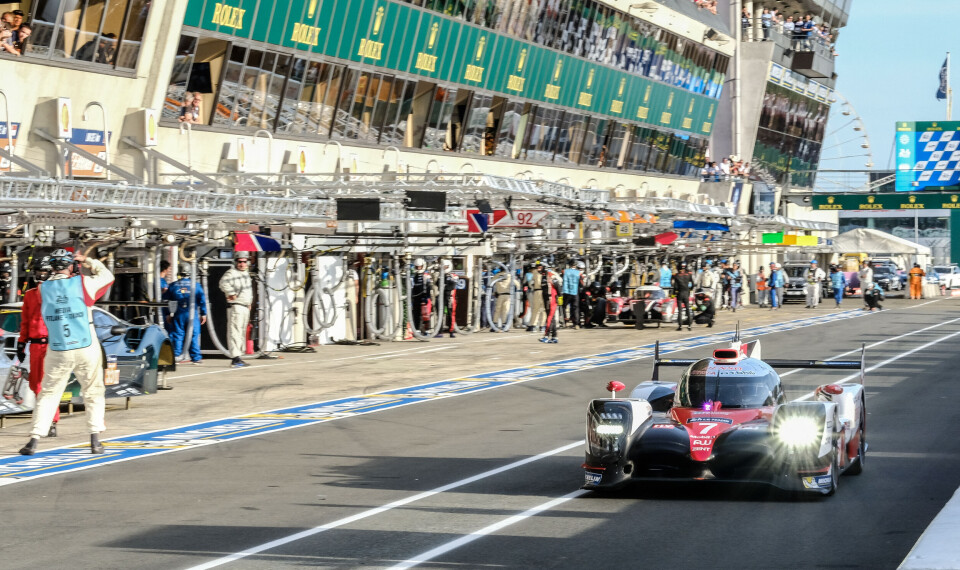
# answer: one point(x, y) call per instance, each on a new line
point(591, 478)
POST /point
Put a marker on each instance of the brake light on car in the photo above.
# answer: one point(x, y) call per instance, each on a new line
point(832, 389)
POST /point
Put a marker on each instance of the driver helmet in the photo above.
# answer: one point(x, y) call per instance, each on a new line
point(419, 263)
point(61, 259)
point(447, 265)
point(581, 265)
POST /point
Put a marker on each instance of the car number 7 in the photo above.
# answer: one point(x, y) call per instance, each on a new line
point(707, 427)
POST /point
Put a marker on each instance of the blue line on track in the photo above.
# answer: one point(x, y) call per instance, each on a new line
point(74, 458)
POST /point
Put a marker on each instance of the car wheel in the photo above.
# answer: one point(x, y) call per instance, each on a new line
point(834, 473)
point(639, 323)
point(856, 467)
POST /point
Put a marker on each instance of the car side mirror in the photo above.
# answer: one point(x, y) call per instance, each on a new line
point(117, 330)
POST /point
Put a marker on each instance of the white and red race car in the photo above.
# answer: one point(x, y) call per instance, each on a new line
point(649, 304)
point(727, 419)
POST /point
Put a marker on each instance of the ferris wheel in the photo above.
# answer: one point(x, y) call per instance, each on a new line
point(846, 156)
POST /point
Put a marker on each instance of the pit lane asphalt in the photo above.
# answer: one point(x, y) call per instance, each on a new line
point(184, 509)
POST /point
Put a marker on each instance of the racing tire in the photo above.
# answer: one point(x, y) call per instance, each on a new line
point(856, 467)
point(834, 474)
point(638, 324)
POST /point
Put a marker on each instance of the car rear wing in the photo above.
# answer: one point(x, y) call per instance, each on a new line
point(815, 364)
point(826, 364)
point(658, 362)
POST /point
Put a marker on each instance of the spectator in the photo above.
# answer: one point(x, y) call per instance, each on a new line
point(788, 27)
point(725, 168)
point(572, 278)
point(808, 31)
point(766, 21)
point(797, 33)
point(22, 35)
point(6, 41)
point(100, 50)
point(190, 111)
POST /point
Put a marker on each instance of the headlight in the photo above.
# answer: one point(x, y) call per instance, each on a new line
point(798, 432)
point(609, 429)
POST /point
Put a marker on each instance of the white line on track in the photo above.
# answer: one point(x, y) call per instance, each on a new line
point(846, 379)
point(482, 532)
point(449, 546)
point(468, 538)
point(911, 333)
point(384, 508)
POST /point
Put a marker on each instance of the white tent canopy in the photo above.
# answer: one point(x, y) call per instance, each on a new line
point(875, 242)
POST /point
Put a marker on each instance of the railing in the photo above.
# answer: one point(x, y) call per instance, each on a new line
point(797, 41)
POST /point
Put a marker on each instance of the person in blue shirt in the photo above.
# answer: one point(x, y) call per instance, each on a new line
point(165, 271)
point(839, 282)
point(666, 277)
point(735, 279)
point(571, 293)
point(775, 285)
point(179, 291)
point(808, 32)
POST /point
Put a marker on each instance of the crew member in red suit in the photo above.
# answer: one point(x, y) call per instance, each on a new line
point(34, 331)
point(551, 290)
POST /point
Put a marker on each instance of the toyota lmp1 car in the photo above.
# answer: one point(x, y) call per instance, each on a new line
point(727, 420)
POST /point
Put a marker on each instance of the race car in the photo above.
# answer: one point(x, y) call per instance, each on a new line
point(143, 354)
point(650, 302)
point(727, 420)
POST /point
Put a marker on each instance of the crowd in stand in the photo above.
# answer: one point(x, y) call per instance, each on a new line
point(13, 32)
point(802, 31)
point(727, 169)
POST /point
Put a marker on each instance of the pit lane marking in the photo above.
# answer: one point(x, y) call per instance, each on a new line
point(846, 379)
point(319, 412)
point(856, 350)
point(468, 538)
point(388, 507)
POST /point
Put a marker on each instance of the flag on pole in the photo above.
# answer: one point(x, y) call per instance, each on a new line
point(944, 80)
point(249, 241)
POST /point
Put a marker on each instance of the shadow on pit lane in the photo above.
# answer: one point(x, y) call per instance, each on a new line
point(556, 474)
point(704, 491)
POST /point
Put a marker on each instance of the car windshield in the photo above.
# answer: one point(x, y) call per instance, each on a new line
point(882, 271)
point(733, 385)
point(941, 269)
point(650, 294)
point(795, 271)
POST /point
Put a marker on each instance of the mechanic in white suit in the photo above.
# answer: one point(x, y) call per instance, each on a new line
point(814, 277)
point(237, 285)
point(73, 347)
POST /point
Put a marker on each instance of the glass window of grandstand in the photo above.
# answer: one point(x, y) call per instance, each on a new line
point(512, 125)
point(617, 146)
point(570, 138)
point(541, 136)
point(595, 142)
point(446, 121)
point(194, 80)
point(398, 114)
point(480, 128)
point(98, 32)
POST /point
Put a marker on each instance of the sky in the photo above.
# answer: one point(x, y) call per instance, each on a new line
point(888, 67)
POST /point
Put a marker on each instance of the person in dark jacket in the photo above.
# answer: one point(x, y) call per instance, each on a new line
point(680, 284)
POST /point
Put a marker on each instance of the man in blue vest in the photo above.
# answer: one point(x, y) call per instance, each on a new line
point(666, 277)
point(66, 299)
point(179, 292)
point(572, 277)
